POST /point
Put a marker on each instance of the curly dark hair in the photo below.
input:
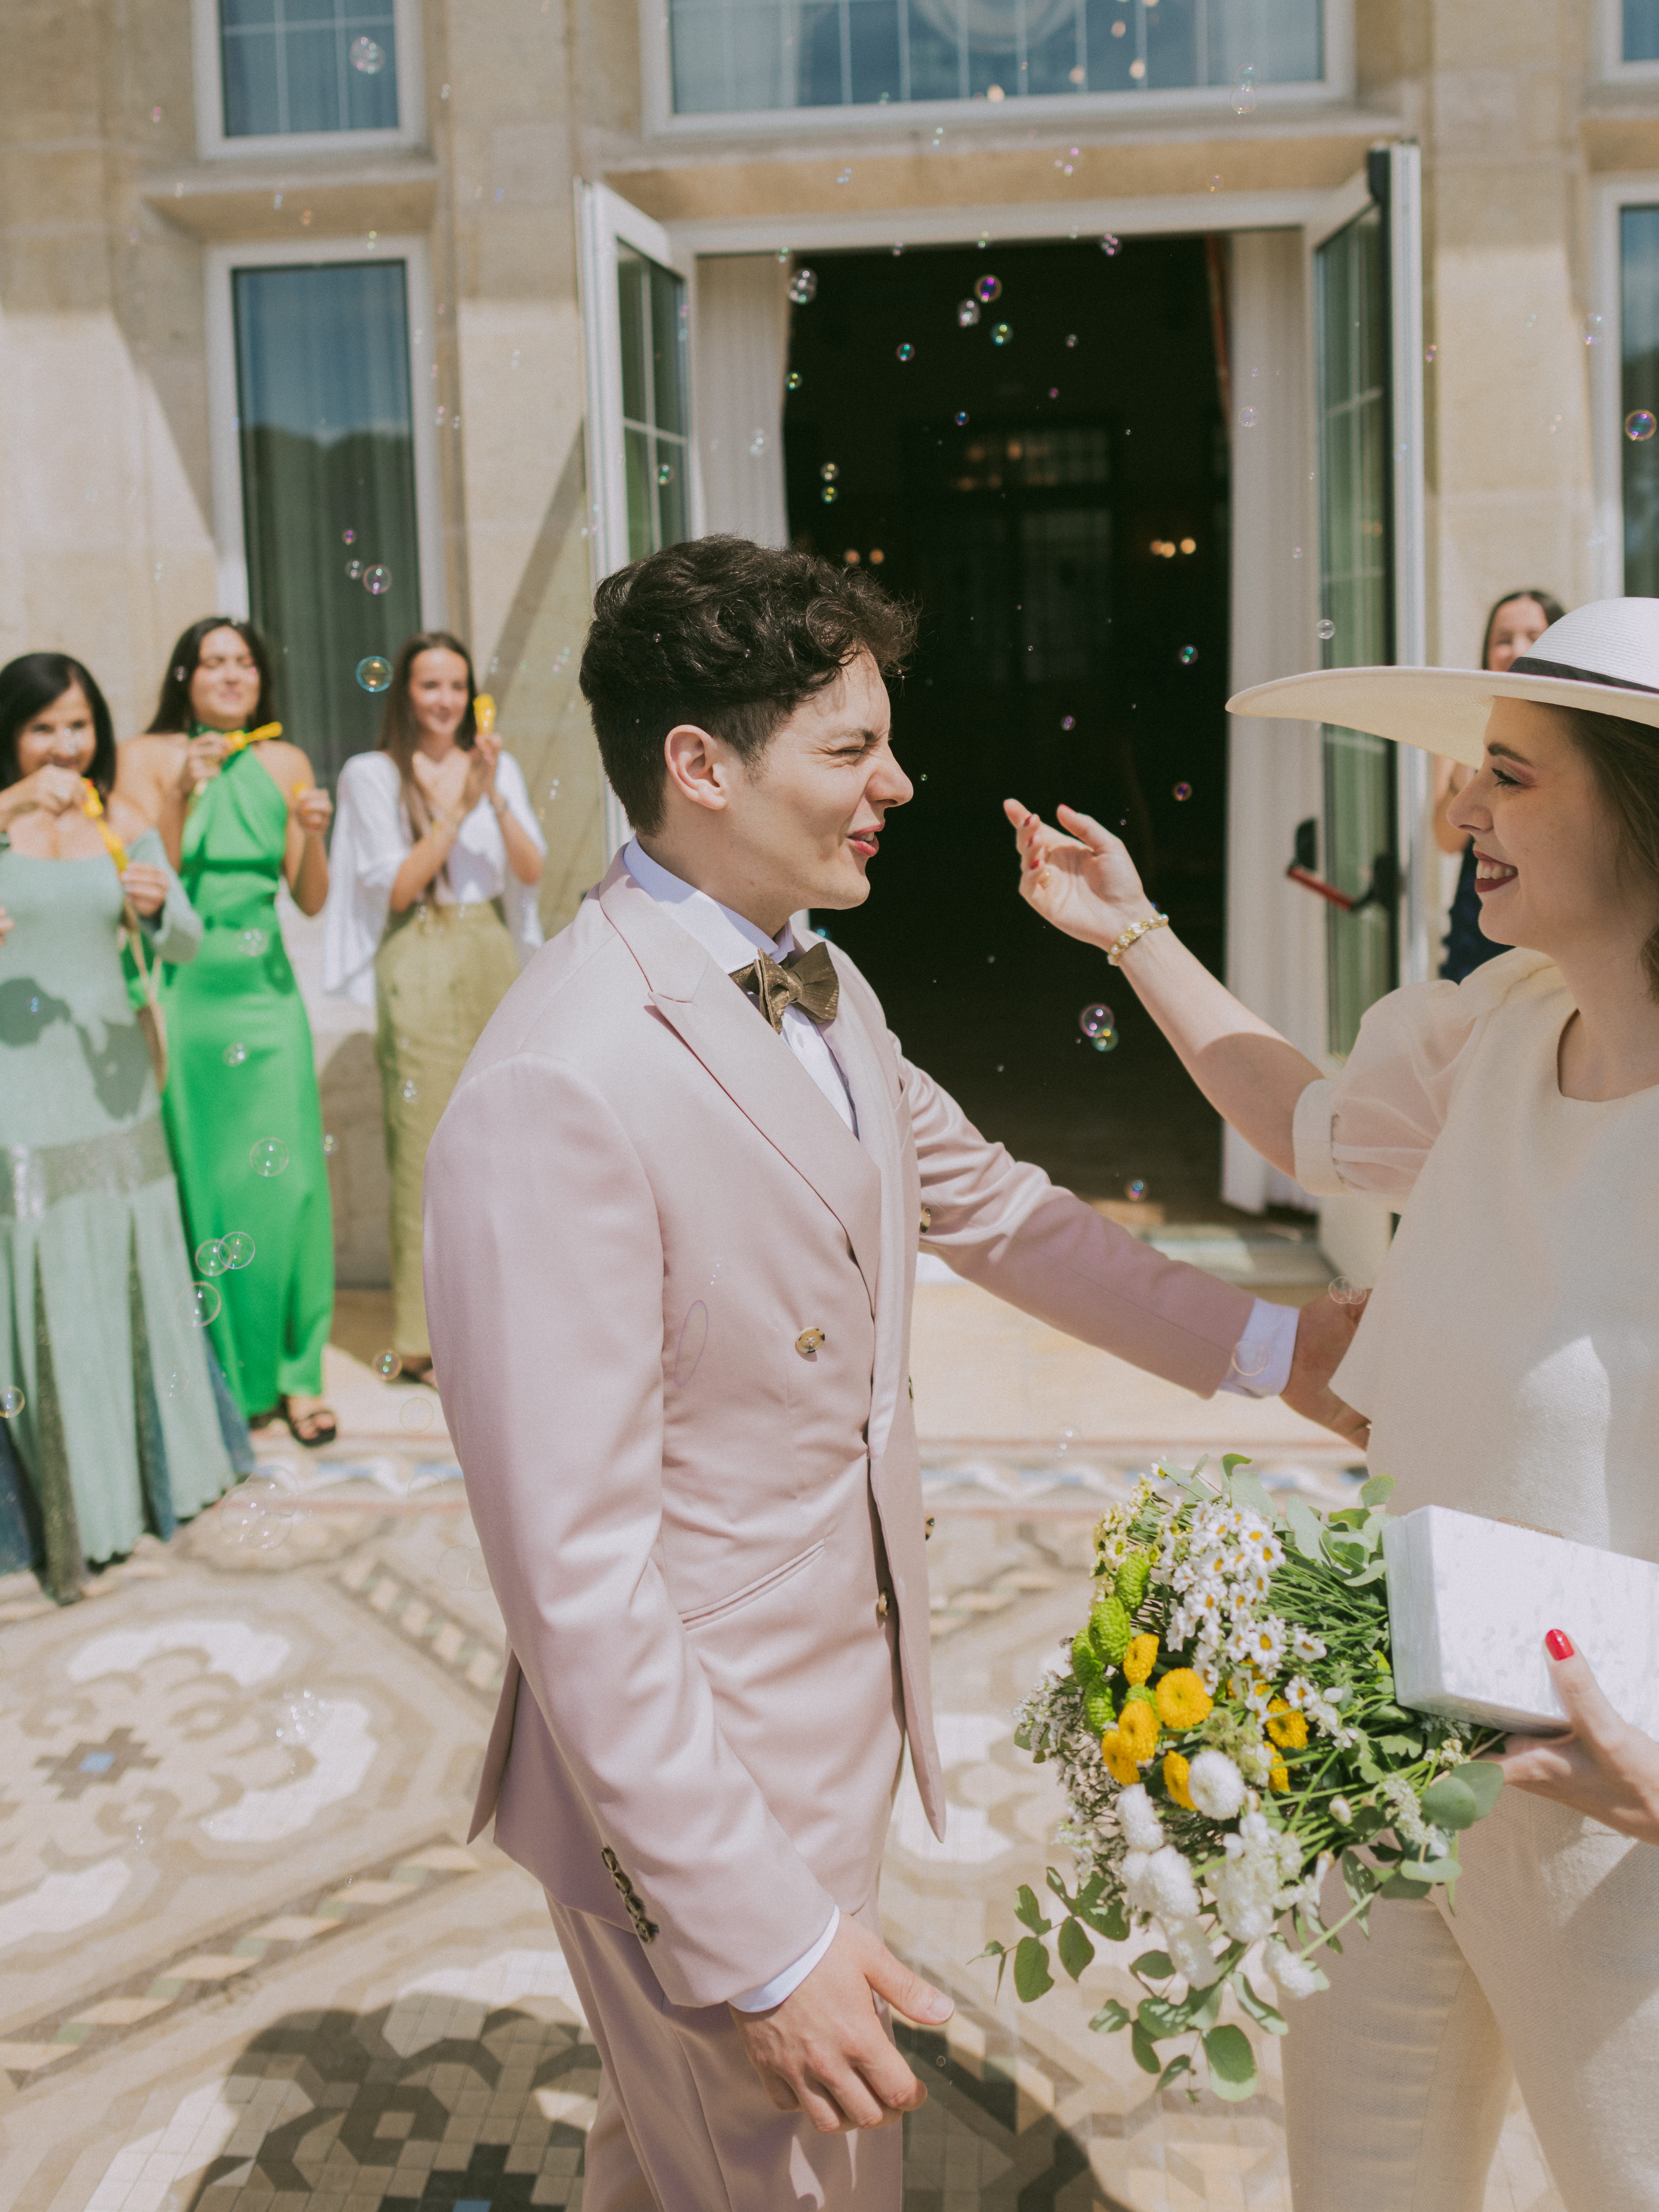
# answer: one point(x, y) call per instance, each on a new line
point(726, 634)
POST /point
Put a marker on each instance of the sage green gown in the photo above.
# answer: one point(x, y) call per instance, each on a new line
point(120, 1430)
point(242, 1108)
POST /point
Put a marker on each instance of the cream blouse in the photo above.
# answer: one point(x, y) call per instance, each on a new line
point(1508, 1359)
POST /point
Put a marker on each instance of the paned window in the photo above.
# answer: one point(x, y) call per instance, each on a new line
point(296, 67)
point(1638, 253)
point(656, 413)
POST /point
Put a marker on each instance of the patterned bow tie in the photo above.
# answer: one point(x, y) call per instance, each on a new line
point(806, 980)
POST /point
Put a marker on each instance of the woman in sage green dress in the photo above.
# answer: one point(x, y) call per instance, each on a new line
point(242, 1107)
point(114, 1420)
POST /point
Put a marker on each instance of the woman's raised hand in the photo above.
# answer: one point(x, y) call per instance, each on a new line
point(146, 887)
point(50, 790)
point(481, 770)
point(200, 763)
point(1084, 882)
point(312, 808)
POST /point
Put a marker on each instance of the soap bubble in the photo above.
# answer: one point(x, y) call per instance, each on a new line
point(198, 1305)
point(331, 1143)
point(1640, 426)
point(1248, 418)
point(175, 1382)
point(354, 570)
point(758, 443)
point(1135, 1189)
point(301, 1713)
point(407, 1092)
point(967, 314)
point(211, 1257)
point(461, 1568)
point(252, 943)
point(988, 288)
point(416, 1414)
point(906, 352)
point(844, 176)
point(829, 494)
point(388, 1365)
point(1593, 329)
point(1248, 1361)
point(1106, 1042)
point(961, 422)
point(1070, 339)
point(1183, 791)
point(1001, 334)
point(1345, 1294)
point(374, 674)
point(255, 1516)
point(803, 286)
point(830, 472)
point(348, 537)
point(1326, 627)
point(377, 579)
point(1188, 654)
point(665, 473)
point(1068, 721)
point(11, 1401)
point(1109, 245)
point(792, 382)
point(1094, 1020)
point(269, 1156)
point(238, 1249)
point(1244, 98)
point(234, 1054)
point(364, 55)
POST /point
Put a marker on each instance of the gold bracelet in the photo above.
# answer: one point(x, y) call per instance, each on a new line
point(1135, 930)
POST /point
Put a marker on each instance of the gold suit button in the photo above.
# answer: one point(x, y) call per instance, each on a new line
point(881, 1606)
point(809, 1341)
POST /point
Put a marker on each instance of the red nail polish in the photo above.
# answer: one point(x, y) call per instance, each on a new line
point(1558, 1644)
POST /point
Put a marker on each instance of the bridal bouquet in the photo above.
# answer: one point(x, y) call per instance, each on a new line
point(1226, 1730)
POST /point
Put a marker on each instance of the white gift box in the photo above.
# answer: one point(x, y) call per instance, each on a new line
point(1470, 1602)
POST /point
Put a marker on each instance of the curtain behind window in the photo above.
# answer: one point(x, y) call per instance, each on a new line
point(327, 447)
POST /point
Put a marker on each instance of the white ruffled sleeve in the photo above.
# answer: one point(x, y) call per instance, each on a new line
point(370, 844)
point(1369, 1129)
point(523, 920)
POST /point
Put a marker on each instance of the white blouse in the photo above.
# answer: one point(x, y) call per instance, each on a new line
point(372, 838)
point(1508, 1359)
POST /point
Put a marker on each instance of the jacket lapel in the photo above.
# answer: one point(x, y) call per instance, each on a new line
point(755, 1067)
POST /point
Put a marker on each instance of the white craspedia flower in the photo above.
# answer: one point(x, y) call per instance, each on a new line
point(1188, 1942)
point(1138, 1818)
point(1215, 1785)
point(1171, 1891)
point(1294, 1977)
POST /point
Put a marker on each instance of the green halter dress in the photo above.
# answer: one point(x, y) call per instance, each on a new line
point(242, 1112)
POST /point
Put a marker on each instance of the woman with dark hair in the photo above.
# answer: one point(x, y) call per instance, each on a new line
point(437, 855)
point(1516, 622)
point(1506, 1362)
point(116, 1421)
point(243, 812)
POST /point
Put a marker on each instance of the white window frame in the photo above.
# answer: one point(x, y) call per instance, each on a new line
point(1608, 65)
point(213, 145)
point(224, 440)
point(1612, 194)
point(1062, 111)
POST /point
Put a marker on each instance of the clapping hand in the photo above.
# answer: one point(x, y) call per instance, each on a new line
point(146, 887)
point(481, 770)
point(1605, 1767)
point(312, 808)
point(1079, 877)
point(50, 790)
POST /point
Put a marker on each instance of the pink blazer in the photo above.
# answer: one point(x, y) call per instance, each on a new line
point(670, 1297)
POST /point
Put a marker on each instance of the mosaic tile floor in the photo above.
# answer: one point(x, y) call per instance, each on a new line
point(248, 1965)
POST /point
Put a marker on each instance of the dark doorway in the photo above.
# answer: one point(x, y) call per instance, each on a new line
point(1049, 483)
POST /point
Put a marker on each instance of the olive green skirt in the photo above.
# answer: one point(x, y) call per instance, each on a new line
point(439, 974)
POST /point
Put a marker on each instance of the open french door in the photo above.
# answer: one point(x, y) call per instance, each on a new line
point(643, 489)
point(1375, 848)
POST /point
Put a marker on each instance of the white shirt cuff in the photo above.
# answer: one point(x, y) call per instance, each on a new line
point(784, 1984)
point(1262, 1359)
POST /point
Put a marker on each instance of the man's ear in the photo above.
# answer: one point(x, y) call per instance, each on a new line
point(698, 766)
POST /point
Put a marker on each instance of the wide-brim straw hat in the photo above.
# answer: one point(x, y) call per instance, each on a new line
point(1603, 658)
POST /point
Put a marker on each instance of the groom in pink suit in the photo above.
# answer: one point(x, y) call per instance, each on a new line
point(672, 1214)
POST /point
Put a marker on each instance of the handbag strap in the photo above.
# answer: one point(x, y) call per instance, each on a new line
point(92, 807)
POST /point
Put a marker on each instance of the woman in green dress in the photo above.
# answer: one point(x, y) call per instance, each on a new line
point(241, 810)
point(113, 1421)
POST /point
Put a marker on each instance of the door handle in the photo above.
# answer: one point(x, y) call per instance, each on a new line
point(1383, 890)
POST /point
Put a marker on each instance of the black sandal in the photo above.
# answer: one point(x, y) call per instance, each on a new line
point(320, 1435)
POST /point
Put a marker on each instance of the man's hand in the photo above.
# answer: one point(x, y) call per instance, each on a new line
point(824, 2050)
point(1606, 1767)
point(1324, 1330)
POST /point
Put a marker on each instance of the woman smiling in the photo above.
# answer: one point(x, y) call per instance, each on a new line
point(1508, 1363)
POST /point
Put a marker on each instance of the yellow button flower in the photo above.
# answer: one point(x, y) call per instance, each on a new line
point(1137, 1727)
point(1175, 1770)
point(1183, 1699)
point(1120, 1763)
point(1287, 1727)
point(1140, 1658)
point(1279, 1775)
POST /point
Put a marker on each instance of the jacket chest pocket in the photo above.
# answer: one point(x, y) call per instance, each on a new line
point(722, 1609)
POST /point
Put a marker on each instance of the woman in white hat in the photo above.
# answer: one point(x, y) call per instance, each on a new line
point(1508, 1363)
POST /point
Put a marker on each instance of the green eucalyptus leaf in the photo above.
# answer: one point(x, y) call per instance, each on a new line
point(1232, 2063)
point(1180, 2063)
point(1374, 1573)
point(1257, 2006)
point(1027, 1913)
point(1076, 1951)
point(1160, 2018)
point(1202, 2006)
point(1246, 1491)
point(1377, 1491)
point(1111, 2016)
point(1145, 2050)
point(1113, 1924)
point(1483, 1778)
point(1450, 1803)
point(1152, 1966)
point(1430, 1870)
point(1032, 1978)
point(1360, 1880)
point(1397, 1885)
point(999, 1953)
point(1306, 1528)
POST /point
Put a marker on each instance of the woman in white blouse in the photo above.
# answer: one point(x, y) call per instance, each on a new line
point(431, 912)
point(1509, 1363)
